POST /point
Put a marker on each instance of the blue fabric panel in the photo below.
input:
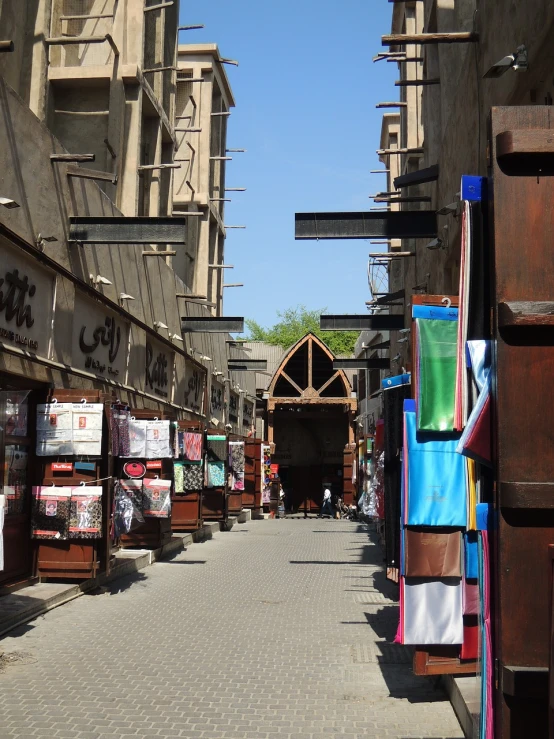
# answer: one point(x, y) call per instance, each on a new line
point(483, 516)
point(437, 484)
point(435, 313)
point(409, 405)
point(471, 567)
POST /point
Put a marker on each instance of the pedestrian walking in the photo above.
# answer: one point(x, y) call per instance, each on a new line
point(327, 507)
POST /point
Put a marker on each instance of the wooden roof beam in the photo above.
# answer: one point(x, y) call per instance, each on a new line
point(429, 38)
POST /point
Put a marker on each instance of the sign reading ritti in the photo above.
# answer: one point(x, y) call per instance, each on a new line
point(26, 302)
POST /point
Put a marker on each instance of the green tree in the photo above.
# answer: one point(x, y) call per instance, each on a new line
point(295, 323)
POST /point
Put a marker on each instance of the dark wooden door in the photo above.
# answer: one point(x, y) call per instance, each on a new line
point(522, 259)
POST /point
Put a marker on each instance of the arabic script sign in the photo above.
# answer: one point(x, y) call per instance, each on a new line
point(100, 340)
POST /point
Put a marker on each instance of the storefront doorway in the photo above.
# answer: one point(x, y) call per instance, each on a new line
point(311, 411)
point(17, 403)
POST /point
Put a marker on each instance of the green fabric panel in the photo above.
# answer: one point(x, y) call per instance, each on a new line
point(437, 374)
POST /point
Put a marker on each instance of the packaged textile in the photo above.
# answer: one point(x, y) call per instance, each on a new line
point(178, 477)
point(193, 476)
point(126, 512)
point(216, 474)
point(158, 440)
point(137, 438)
point(50, 514)
point(192, 446)
point(54, 429)
point(87, 429)
point(435, 478)
point(432, 611)
point(85, 517)
point(430, 553)
point(157, 498)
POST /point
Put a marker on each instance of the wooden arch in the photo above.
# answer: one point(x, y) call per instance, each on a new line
point(306, 374)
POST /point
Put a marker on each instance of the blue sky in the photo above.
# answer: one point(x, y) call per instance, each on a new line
point(305, 111)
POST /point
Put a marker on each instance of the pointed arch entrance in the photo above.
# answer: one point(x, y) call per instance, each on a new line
point(310, 415)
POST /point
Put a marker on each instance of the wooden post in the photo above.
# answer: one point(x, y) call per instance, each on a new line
point(429, 38)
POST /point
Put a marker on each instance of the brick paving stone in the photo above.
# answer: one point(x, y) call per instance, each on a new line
point(275, 630)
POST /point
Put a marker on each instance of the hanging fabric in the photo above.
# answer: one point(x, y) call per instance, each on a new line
point(216, 474)
point(192, 446)
point(436, 336)
point(433, 612)
point(193, 476)
point(475, 441)
point(178, 477)
point(436, 492)
point(236, 464)
point(157, 498)
point(432, 553)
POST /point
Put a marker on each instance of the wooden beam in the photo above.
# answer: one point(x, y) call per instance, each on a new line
point(407, 199)
point(310, 360)
point(91, 174)
point(389, 224)
point(417, 83)
point(413, 150)
point(6, 46)
point(72, 157)
point(292, 382)
point(329, 381)
point(429, 38)
point(419, 177)
point(399, 104)
point(392, 255)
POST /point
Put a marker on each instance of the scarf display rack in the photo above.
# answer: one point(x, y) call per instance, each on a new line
point(186, 507)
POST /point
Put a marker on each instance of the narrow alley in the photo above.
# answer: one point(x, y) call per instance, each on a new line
point(277, 628)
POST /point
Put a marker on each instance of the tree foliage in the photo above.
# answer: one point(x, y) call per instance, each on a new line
point(295, 323)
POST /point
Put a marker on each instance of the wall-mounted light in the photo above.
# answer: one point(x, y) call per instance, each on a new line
point(437, 243)
point(402, 341)
point(449, 210)
point(99, 280)
point(518, 62)
point(159, 324)
point(404, 330)
point(396, 359)
point(176, 337)
point(124, 296)
point(9, 203)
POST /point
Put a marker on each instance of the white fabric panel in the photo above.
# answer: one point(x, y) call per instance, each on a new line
point(433, 611)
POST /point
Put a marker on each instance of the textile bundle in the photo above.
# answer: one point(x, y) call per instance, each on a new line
point(50, 514)
point(85, 517)
point(436, 337)
point(217, 448)
point(157, 498)
point(236, 464)
point(431, 611)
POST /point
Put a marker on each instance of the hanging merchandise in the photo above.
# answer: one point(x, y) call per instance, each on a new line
point(475, 441)
point(178, 477)
point(87, 429)
point(395, 391)
point(236, 464)
point(432, 553)
point(216, 474)
point(50, 514)
point(432, 611)
point(54, 429)
point(192, 447)
point(158, 440)
point(193, 476)
point(266, 473)
point(124, 442)
point(436, 336)
point(470, 596)
point(157, 498)
point(217, 448)
point(127, 506)
point(85, 517)
point(2, 518)
point(137, 438)
point(135, 470)
point(486, 726)
point(435, 478)
point(471, 567)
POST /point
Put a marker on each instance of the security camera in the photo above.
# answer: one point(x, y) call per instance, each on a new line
point(228, 426)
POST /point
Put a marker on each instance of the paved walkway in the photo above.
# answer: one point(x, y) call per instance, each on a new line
point(275, 629)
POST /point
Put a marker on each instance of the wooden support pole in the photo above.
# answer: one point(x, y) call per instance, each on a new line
point(72, 157)
point(429, 38)
point(91, 174)
point(6, 46)
point(404, 60)
point(399, 104)
point(85, 17)
point(417, 83)
point(159, 253)
point(391, 255)
point(415, 150)
point(158, 7)
point(158, 69)
point(407, 199)
point(145, 167)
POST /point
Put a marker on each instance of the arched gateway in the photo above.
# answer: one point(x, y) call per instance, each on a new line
point(310, 414)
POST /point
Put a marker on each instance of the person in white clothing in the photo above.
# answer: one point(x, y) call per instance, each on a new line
point(327, 507)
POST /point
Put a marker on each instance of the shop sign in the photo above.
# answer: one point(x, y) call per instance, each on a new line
point(154, 464)
point(195, 383)
point(159, 369)
point(217, 400)
point(62, 467)
point(100, 340)
point(26, 302)
point(247, 413)
point(234, 408)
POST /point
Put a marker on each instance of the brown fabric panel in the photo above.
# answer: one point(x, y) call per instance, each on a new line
point(432, 553)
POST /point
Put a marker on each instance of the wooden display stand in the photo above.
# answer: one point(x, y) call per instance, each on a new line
point(186, 508)
point(348, 488)
point(154, 532)
point(73, 558)
point(215, 500)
